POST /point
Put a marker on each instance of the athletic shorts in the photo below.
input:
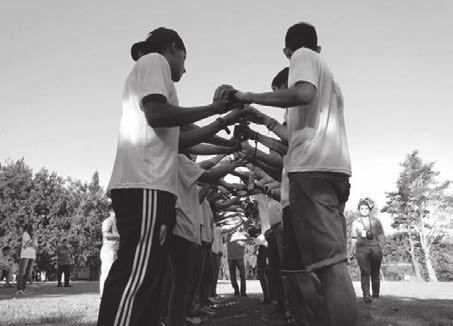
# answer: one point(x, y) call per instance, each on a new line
point(317, 226)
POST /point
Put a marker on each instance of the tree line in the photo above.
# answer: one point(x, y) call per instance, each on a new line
point(420, 207)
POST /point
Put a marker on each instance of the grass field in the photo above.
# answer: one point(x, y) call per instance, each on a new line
point(402, 304)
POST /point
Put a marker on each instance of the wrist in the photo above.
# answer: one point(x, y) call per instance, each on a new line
point(221, 123)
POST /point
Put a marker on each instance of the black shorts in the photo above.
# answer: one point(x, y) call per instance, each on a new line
point(317, 227)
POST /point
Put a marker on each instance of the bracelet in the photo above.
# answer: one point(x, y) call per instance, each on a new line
point(271, 125)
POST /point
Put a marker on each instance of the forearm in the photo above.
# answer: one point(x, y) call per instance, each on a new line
point(353, 247)
point(283, 99)
point(111, 236)
point(224, 204)
point(272, 143)
point(207, 149)
point(197, 135)
point(220, 141)
point(277, 128)
point(165, 115)
point(276, 162)
point(208, 164)
point(213, 175)
point(272, 171)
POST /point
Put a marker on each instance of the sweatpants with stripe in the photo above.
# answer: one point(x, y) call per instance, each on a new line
point(133, 287)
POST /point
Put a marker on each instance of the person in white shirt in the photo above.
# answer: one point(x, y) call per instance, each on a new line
point(143, 181)
point(27, 258)
point(110, 245)
point(319, 168)
point(186, 235)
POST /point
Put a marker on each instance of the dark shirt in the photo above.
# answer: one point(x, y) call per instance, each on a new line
point(62, 252)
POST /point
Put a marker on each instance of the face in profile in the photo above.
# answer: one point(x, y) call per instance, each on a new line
point(177, 64)
point(364, 210)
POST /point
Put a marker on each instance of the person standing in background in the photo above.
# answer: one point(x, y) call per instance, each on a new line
point(367, 240)
point(110, 245)
point(27, 258)
point(64, 263)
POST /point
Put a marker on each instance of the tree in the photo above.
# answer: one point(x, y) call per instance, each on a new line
point(419, 209)
point(16, 183)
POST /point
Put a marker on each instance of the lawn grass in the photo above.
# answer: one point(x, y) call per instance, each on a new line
point(402, 304)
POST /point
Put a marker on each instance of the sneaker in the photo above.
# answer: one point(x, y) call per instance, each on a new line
point(21, 292)
point(193, 320)
point(367, 299)
point(244, 295)
point(236, 294)
point(59, 285)
point(68, 286)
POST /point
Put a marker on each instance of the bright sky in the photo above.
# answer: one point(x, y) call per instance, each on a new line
point(63, 65)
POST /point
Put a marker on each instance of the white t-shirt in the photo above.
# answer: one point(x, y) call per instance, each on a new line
point(275, 211)
point(316, 132)
point(146, 156)
point(187, 205)
point(217, 242)
point(284, 186)
point(109, 225)
point(28, 252)
point(207, 220)
point(263, 212)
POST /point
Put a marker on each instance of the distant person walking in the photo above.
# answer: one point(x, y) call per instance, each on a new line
point(64, 263)
point(6, 266)
point(367, 239)
point(110, 244)
point(27, 258)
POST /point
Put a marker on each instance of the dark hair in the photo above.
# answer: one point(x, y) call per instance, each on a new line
point(281, 78)
point(301, 35)
point(157, 41)
point(6, 248)
point(29, 228)
point(367, 202)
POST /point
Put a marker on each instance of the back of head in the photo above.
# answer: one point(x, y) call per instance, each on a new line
point(281, 79)
point(301, 35)
point(157, 41)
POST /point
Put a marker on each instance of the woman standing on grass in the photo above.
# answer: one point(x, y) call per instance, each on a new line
point(27, 258)
point(367, 239)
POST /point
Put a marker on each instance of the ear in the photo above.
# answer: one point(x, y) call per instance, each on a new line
point(287, 52)
point(174, 48)
point(318, 49)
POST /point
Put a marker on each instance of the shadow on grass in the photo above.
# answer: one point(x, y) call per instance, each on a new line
point(50, 289)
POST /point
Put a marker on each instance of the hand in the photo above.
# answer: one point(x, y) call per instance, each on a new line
point(255, 116)
point(242, 97)
point(244, 132)
point(233, 116)
point(220, 92)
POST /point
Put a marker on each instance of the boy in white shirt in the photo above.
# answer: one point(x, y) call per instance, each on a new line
point(319, 168)
point(143, 182)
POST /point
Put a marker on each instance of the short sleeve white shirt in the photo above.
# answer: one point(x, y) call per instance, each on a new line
point(207, 216)
point(217, 242)
point(275, 211)
point(187, 205)
point(109, 225)
point(263, 211)
point(316, 132)
point(146, 156)
point(284, 187)
point(28, 252)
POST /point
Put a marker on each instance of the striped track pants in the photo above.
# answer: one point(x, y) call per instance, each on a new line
point(133, 287)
